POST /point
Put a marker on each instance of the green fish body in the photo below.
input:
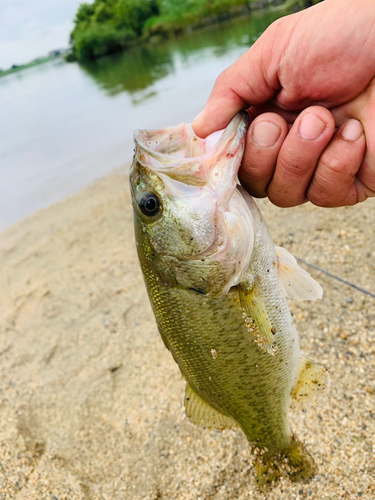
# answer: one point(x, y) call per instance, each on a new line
point(218, 289)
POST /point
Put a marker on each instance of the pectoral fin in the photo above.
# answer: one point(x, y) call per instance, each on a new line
point(297, 283)
point(201, 413)
point(257, 319)
point(312, 382)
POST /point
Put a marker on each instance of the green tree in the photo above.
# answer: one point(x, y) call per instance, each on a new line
point(134, 13)
point(84, 13)
point(100, 40)
point(106, 26)
point(103, 13)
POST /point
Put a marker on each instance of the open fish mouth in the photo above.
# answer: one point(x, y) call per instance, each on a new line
point(180, 154)
point(204, 216)
point(199, 233)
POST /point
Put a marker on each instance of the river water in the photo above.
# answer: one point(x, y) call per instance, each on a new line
point(63, 125)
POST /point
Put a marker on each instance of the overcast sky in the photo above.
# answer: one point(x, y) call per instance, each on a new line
point(31, 28)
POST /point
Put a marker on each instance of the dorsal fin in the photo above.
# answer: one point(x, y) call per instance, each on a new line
point(201, 413)
point(297, 283)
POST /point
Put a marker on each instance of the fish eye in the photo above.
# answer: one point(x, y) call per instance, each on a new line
point(149, 204)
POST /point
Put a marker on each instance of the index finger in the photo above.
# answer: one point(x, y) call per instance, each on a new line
point(246, 82)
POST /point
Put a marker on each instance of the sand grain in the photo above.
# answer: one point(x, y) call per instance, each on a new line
point(91, 401)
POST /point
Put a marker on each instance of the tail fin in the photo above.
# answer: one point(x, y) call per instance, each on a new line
point(295, 462)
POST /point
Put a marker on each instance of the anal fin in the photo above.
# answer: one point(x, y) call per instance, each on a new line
point(312, 382)
point(201, 413)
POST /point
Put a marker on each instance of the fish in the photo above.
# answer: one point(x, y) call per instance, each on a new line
point(218, 287)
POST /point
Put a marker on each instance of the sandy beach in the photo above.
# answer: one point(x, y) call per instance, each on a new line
point(91, 402)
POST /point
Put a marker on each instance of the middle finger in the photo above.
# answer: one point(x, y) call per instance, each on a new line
point(299, 156)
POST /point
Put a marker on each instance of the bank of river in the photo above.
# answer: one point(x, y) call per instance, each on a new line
point(91, 401)
point(63, 125)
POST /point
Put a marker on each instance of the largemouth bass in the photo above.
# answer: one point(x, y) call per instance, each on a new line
point(218, 289)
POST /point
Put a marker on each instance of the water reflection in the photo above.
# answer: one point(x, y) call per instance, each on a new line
point(63, 125)
point(135, 70)
point(140, 67)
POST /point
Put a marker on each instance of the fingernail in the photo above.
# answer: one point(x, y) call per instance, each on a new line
point(311, 127)
point(352, 130)
point(265, 134)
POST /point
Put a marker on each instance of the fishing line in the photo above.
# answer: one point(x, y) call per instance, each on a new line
point(336, 277)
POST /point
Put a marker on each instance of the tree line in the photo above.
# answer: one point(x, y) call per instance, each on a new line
point(107, 26)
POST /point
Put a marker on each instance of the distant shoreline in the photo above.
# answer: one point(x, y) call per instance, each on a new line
point(17, 68)
point(92, 40)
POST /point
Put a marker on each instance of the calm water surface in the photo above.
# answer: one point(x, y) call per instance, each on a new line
point(63, 125)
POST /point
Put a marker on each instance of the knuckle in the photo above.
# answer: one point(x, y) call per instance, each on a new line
point(277, 26)
point(292, 166)
point(324, 192)
point(253, 183)
point(223, 78)
point(332, 165)
point(252, 173)
point(363, 192)
point(301, 91)
point(255, 174)
point(219, 79)
point(281, 198)
point(318, 198)
point(221, 83)
point(224, 84)
point(335, 174)
point(366, 173)
point(339, 164)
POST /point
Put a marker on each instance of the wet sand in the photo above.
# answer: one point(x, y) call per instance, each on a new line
point(91, 402)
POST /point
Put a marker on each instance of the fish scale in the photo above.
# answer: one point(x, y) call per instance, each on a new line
point(236, 388)
point(218, 288)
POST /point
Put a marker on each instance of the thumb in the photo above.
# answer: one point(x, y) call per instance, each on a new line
point(251, 80)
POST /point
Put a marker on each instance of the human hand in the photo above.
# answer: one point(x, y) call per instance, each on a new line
point(308, 74)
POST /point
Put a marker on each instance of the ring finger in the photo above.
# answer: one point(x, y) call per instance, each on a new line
point(334, 182)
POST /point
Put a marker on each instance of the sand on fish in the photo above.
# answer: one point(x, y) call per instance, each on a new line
point(91, 402)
